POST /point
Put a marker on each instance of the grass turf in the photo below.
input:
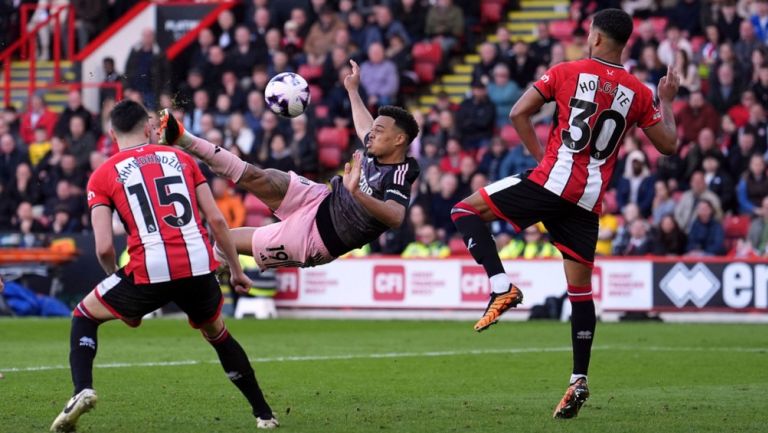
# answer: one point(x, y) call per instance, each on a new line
point(403, 376)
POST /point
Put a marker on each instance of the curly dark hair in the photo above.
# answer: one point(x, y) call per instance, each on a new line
point(403, 120)
point(615, 23)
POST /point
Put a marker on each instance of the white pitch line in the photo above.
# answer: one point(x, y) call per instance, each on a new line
point(386, 355)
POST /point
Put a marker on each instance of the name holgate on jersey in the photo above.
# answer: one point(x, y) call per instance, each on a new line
point(140, 161)
point(606, 87)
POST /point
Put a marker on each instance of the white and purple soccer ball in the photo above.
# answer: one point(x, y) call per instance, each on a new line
point(287, 94)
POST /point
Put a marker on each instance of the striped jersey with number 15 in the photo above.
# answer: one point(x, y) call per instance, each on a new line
point(597, 102)
point(152, 188)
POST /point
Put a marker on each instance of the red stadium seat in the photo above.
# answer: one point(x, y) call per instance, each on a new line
point(336, 138)
point(561, 30)
point(736, 226)
point(329, 157)
point(427, 52)
point(321, 111)
point(315, 93)
point(510, 136)
point(255, 211)
point(611, 205)
point(659, 26)
point(491, 12)
point(425, 71)
point(457, 247)
point(311, 73)
point(542, 131)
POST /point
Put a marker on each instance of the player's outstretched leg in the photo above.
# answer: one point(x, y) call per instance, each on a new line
point(470, 218)
point(83, 343)
point(583, 322)
point(237, 367)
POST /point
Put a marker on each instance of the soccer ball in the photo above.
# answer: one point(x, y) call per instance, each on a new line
point(287, 94)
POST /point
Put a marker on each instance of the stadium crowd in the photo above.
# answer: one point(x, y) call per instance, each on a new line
point(711, 198)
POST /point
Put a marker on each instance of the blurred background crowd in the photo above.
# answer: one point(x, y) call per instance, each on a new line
point(711, 198)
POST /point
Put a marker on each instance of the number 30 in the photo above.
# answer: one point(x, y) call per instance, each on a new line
point(601, 142)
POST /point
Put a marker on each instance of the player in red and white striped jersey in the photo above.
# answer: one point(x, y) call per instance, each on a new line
point(161, 196)
point(597, 102)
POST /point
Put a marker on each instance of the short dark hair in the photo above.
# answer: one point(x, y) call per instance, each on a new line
point(403, 120)
point(615, 23)
point(127, 115)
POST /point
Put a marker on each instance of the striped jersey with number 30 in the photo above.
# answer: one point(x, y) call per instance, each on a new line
point(597, 102)
point(152, 188)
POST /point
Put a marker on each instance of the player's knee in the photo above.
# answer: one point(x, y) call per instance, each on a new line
point(215, 331)
point(463, 209)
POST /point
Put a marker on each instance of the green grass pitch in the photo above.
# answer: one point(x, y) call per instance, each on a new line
point(398, 376)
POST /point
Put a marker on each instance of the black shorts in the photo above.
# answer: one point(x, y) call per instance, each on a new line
point(522, 203)
point(199, 297)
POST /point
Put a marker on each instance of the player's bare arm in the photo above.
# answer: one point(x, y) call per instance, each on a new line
point(528, 105)
point(224, 242)
point(361, 117)
point(268, 185)
point(388, 212)
point(101, 219)
point(663, 135)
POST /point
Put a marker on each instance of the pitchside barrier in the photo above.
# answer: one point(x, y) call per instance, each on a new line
point(664, 285)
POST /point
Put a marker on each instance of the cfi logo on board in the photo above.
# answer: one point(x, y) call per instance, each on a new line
point(388, 283)
point(287, 284)
point(697, 285)
point(474, 284)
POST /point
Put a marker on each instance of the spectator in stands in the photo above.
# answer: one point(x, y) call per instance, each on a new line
point(728, 21)
point(653, 66)
point(637, 184)
point(541, 48)
point(90, 20)
point(238, 134)
point(67, 198)
point(747, 42)
point(81, 141)
point(10, 158)
point(670, 240)
point(640, 241)
point(221, 111)
point(39, 147)
point(48, 167)
point(68, 170)
point(299, 17)
point(74, 108)
point(704, 146)
point(517, 161)
point(708, 53)
point(214, 67)
point(445, 23)
point(413, 15)
point(675, 41)
point(696, 115)
point(225, 29)
point(608, 224)
point(442, 202)
point(522, 65)
point(426, 245)
point(726, 92)
point(533, 245)
point(63, 223)
point(37, 115)
point(719, 182)
point(759, 20)
point(389, 27)
point(760, 86)
point(379, 77)
point(490, 165)
point(25, 221)
point(193, 118)
point(244, 54)
point(503, 93)
point(292, 43)
point(270, 126)
point(646, 38)
point(489, 58)
point(757, 125)
point(255, 110)
point(339, 107)
point(199, 55)
point(467, 171)
point(10, 122)
point(303, 147)
point(361, 34)
point(706, 236)
point(577, 48)
point(230, 204)
point(147, 69)
point(109, 76)
point(451, 161)
point(753, 187)
point(686, 207)
point(690, 81)
point(401, 56)
point(663, 203)
point(503, 44)
point(758, 231)
point(321, 35)
point(631, 213)
point(24, 186)
point(476, 118)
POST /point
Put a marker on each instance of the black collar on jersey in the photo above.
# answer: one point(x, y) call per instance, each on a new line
point(605, 62)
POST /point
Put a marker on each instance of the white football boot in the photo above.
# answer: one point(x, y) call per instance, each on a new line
point(81, 403)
